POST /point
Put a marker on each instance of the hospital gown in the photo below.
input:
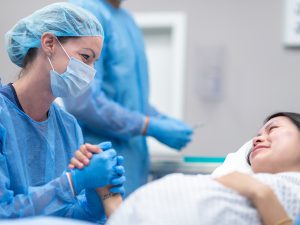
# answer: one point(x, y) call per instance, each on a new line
point(33, 159)
point(185, 199)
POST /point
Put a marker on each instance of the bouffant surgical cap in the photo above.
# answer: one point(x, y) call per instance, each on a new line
point(61, 19)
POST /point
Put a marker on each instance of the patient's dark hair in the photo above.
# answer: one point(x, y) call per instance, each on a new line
point(294, 117)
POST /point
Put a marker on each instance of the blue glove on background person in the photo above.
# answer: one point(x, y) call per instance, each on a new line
point(169, 131)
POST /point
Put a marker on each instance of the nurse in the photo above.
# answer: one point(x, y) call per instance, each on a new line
point(117, 107)
point(56, 48)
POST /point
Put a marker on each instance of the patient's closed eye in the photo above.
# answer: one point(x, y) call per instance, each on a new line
point(272, 128)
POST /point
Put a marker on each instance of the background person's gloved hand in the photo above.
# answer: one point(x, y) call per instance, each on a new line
point(169, 131)
point(99, 173)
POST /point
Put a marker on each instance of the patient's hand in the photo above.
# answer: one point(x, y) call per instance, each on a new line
point(261, 195)
point(82, 156)
point(243, 183)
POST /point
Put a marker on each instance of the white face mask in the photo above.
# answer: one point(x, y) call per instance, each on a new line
point(74, 81)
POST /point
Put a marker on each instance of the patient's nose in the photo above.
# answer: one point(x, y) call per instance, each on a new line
point(258, 139)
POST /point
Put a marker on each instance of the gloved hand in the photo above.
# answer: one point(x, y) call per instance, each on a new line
point(105, 145)
point(94, 203)
point(171, 132)
point(118, 182)
point(99, 173)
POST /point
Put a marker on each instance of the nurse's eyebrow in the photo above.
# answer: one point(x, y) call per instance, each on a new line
point(94, 54)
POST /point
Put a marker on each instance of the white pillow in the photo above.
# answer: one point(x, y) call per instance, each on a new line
point(236, 161)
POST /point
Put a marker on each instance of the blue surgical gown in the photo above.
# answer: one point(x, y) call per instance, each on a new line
point(115, 105)
point(33, 159)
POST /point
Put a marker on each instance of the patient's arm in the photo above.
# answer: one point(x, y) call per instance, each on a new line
point(262, 196)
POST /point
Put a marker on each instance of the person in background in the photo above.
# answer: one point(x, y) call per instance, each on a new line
point(116, 106)
point(56, 48)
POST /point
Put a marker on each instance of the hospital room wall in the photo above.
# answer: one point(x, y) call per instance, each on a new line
point(258, 75)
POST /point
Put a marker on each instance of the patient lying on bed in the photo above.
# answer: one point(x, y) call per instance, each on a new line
point(270, 196)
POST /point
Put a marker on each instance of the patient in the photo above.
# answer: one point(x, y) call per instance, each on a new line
point(270, 196)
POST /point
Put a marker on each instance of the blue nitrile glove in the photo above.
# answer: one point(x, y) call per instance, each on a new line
point(118, 181)
point(94, 204)
point(171, 132)
point(105, 145)
point(98, 173)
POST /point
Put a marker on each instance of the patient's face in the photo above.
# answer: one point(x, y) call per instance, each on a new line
point(276, 148)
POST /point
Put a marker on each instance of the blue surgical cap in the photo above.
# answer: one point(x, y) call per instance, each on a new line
point(61, 19)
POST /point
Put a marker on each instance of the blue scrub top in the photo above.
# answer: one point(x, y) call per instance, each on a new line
point(33, 159)
point(115, 105)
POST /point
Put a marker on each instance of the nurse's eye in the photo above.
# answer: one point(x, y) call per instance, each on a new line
point(85, 56)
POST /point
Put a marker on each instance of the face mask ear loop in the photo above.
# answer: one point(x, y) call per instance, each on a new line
point(62, 48)
point(50, 63)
